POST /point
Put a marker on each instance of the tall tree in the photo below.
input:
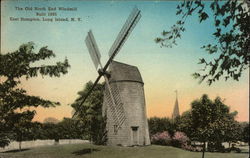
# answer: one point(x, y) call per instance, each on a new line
point(89, 114)
point(13, 98)
point(232, 36)
point(210, 121)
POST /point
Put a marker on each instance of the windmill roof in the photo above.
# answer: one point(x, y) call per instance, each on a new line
point(124, 72)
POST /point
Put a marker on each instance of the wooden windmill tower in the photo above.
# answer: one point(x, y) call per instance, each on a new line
point(124, 100)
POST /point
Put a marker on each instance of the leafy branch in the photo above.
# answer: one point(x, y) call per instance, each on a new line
point(232, 36)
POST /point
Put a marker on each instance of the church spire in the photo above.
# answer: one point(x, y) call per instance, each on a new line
point(176, 107)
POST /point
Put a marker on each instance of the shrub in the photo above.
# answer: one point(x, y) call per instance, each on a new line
point(162, 138)
point(191, 148)
point(215, 147)
point(237, 150)
point(179, 139)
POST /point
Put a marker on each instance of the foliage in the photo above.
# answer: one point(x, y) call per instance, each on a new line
point(22, 126)
point(89, 114)
point(244, 132)
point(66, 129)
point(237, 150)
point(183, 123)
point(232, 131)
point(161, 138)
point(51, 120)
point(157, 125)
point(37, 131)
point(51, 131)
point(215, 146)
point(69, 129)
point(210, 121)
point(231, 48)
point(230, 128)
point(14, 117)
point(189, 147)
point(179, 139)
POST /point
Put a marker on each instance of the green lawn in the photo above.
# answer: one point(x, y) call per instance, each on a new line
point(84, 151)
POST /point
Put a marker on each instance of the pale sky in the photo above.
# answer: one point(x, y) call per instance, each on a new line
point(163, 69)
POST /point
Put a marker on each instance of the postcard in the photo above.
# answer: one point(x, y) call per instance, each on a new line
point(131, 62)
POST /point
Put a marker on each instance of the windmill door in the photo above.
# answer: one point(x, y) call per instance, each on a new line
point(135, 135)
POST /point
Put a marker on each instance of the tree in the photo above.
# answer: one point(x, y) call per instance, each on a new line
point(21, 128)
point(233, 131)
point(157, 125)
point(51, 131)
point(51, 120)
point(36, 131)
point(225, 127)
point(69, 129)
point(183, 124)
point(89, 114)
point(232, 37)
point(244, 132)
point(14, 101)
point(4, 135)
point(66, 129)
point(210, 121)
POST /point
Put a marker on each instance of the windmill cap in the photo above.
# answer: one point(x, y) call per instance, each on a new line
point(121, 72)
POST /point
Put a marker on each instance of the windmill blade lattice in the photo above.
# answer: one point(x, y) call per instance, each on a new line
point(117, 110)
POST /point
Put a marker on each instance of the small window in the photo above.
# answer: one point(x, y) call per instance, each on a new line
point(115, 129)
point(134, 128)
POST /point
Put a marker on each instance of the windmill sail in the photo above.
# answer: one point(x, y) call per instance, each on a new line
point(129, 25)
point(93, 49)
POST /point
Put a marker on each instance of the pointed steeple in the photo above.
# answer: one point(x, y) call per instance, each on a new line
point(176, 108)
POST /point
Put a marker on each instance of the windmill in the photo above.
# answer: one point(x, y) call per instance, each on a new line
point(113, 100)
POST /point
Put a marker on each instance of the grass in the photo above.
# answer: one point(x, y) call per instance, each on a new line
point(92, 151)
